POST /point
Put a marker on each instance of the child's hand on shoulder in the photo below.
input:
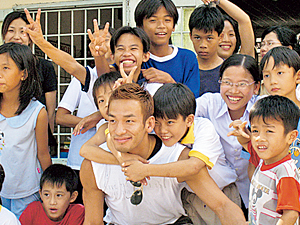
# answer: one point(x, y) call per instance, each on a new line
point(154, 75)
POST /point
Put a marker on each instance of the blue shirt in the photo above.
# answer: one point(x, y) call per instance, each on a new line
point(209, 80)
point(182, 65)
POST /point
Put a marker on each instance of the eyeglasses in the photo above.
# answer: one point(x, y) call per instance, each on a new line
point(269, 43)
point(239, 85)
point(137, 196)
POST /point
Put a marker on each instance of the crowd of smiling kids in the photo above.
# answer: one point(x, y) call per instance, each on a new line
point(210, 102)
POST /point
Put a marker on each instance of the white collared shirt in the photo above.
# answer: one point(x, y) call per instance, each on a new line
point(213, 107)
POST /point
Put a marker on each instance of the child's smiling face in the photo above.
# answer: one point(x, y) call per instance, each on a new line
point(280, 80)
point(269, 139)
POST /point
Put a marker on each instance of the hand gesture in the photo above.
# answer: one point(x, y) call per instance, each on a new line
point(87, 123)
point(154, 75)
point(34, 28)
point(97, 45)
point(125, 78)
point(206, 2)
point(240, 129)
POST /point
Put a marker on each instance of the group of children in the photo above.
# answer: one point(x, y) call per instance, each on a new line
point(207, 125)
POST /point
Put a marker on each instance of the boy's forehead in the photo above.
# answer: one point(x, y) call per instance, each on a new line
point(124, 40)
point(267, 121)
point(50, 185)
point(204, 32)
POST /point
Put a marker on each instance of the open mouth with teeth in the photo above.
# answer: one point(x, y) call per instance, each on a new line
point(261, 148)
point(234, 99)
point(225, 47)
point(161, 34)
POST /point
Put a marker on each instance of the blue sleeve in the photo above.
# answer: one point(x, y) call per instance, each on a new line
point(192, 78)
point(86, 86)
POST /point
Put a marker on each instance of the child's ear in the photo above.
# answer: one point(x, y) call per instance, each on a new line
point(191, 36)
point(73, 196)
point(24, 75)
point(190, 120)
point(292, 135)
point(297, 77)
point(146, 56)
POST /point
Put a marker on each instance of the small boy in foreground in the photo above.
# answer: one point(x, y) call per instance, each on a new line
point(57, 190)
point(274, 190)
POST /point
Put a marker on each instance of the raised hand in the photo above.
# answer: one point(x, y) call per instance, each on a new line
point(240, 129)
point(34, 28)
point(97, 45)
point(125, 78)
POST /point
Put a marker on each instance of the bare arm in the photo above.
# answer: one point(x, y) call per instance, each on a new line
point(41, 133)
point(185, 166)
point(91, 150)
point(288, 217)
point(61, 58)
point(87, 123)
point(245, 26)
point(93, 198)
point(208, 191)
point(65, 118)
point(51, 105)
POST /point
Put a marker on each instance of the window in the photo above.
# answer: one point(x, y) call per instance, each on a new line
point(66, 29)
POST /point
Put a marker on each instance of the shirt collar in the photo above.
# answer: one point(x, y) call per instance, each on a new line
point(189, 137)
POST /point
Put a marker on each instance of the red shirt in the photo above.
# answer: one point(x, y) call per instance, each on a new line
point(34, 214)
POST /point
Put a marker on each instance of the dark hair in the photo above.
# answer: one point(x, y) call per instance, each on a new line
point(103, 80)
point(246, 61)
point(235, 26)
point(279, 108)
point(2, 176)
point(133, 91)
point(174, 99)
point(207, 18)
point(58, 174)
point(110, 29)
point(282, 55)
point(9, 18)
point(25, 61)
point(136, 31)
point(285, 35)
point(146, 8)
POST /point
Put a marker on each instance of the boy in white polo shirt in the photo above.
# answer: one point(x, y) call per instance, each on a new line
point(174, 115)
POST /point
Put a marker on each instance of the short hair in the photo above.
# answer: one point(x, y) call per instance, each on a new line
point(9, 18)
point(282, 55)
point(136, 31)
point(133, 91)
point(279, 108)
point(25, 61)
point(110, 29)
point(285, 35)
point(58, 174)
point(105, 79)
point(2, 176)
point(207, 18)
point(246, 61)
point(146, 8)
point(235, 26)
point(174, 99)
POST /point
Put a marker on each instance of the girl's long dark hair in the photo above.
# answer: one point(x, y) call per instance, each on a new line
point(25, 61)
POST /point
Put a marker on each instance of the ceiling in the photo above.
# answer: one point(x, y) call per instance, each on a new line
point(265, 13)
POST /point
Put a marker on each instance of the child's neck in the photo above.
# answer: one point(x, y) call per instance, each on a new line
point(293, 98)
point(209, 63)
point(161, 50)
point(9, 105)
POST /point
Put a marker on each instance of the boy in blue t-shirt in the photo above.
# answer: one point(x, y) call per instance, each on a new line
point(167, 63)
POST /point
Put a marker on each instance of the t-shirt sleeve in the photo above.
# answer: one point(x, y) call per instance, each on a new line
point(207, 145)
point(71, 97)
point(288, 191)
point(75, 215)
point(202, 104)
point(192, 75)
point(26, 217)
point(254, 158)
point(49, 81)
